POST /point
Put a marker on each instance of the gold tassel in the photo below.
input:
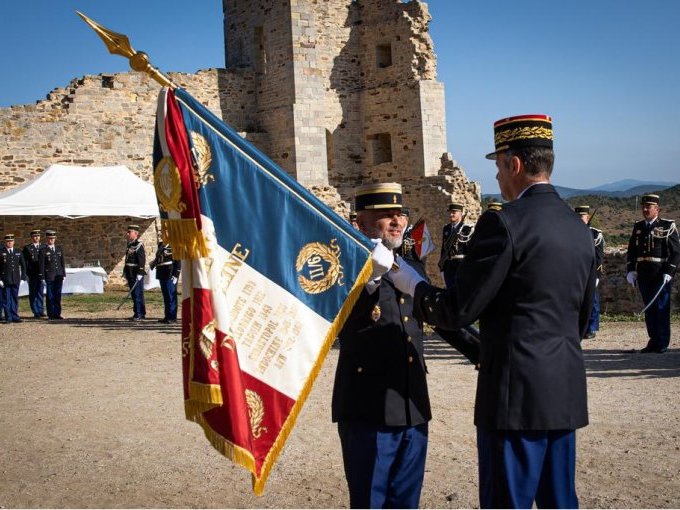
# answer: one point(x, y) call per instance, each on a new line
point(205, 393)
point(186, 240)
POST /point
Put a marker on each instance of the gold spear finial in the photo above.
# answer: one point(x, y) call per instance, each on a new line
point(119, 44)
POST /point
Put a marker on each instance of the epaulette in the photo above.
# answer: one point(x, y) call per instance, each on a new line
point(494, 206)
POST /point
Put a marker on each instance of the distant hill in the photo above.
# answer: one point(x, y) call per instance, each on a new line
point(628, 184)
point(624, 188)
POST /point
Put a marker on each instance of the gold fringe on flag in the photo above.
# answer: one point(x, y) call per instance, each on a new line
point(186, 240)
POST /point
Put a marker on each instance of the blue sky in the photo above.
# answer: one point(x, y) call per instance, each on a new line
point(607, 71)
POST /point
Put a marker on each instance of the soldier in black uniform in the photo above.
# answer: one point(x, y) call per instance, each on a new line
point(353, 219)
point(12, 271)
point(167, 274)
point(135, 261)
point(598, 242)
point(31, 254)
point(653, 258)
point(455, 237)
point(53, 271)
point(380, 397)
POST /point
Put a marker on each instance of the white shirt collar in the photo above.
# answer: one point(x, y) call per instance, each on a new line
point(530, 186)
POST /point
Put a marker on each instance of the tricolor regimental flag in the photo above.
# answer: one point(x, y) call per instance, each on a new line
point(269, 275)
point(423, 243)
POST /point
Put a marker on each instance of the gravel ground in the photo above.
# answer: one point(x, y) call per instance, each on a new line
point(91, 415)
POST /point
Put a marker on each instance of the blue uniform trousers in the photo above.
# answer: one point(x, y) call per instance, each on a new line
point(384, 466)
point(11, 302)
point(35, 295)
point(3, 315)
point(657, 316)
point(169, 291)
point(518, 467)
point(54, 297)
point(138, 306)
point(594, 323)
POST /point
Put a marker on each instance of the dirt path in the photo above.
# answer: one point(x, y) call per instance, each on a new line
point(91, 415)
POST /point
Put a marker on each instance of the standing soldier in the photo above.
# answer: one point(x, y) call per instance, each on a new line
point(653, 258)
point(167, 274)
point(31, 254)
point(455, 237)
point(353, 219)
point(135, 260)
point(53, 271)
point(598, 242)
point(12, 271)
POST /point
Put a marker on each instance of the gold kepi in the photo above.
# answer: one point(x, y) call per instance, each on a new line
point(119, 44)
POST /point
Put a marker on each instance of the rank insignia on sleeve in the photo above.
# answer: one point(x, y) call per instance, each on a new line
point(375, 313)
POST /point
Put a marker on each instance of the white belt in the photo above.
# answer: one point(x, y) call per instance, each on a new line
point(651, 259)
point(131, 265)
point(457, 257)
point(165, 263)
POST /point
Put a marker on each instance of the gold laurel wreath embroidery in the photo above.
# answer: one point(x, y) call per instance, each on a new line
point(255, 413)
point(330, 254)
point(167, 174)
point(203, 158)
point(522, 133)
point(207, 339)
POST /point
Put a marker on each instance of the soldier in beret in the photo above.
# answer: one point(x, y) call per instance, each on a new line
point(533, 313)
point(167, 274)
point(31, 254)
point(53, 271)
point(455, 238)
point(134, 271)
point(653, 258)
point(12, 271)
point(380, 397)
point(598, 243)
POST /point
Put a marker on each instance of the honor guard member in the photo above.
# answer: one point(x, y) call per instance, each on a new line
point(598, 242)
point(31, 254)
point(353, 219)
point(455, 238)
point(167, 274)
point(133, 271)
point(406, 250)
point(531, 389)
point(12, 271)
point(653, 258)
point(380, 397)
point(53, 271)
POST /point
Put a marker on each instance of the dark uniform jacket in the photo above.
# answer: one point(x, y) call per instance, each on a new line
point(12, 267)
point(32, 259)
point(454, 248)
point(380, 378)
point(529, 276)
point(52, 263)
point(655, 250)
point(165, 266)
point(135, 260)
point(598, 243)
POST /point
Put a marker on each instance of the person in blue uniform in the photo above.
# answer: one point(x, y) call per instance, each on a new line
point(167, 274)
point(12, 272)
point(380, 398)
point(598, 243)
point(653, 258)
point(53, 271)
point(31, 254)
point(455, 237)
point(528, 277)
point(134, 271)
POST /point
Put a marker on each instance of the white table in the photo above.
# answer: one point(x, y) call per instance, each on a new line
point(79, 280)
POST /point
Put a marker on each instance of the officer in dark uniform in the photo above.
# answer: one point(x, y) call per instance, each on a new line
point(455, 238)
point(598, 242)
point(53, 271)
point(134, 271)
point(167, 274)
point(380, 397)
point(406, 250)
point(353, 219)
point(653, 258)
point(31, 254)
point(12, 271)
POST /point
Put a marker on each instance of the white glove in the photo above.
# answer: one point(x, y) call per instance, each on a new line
point(405, 278)
point(382, 259)
point(174, 280)
point(631, 277)
point(2, 285)
point(140, 276)
point(597, 282)
point(667, 278)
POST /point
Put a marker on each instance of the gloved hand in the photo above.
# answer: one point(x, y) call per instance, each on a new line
point(174, 280)
point(44, 283)
point(631, 277)
point(140, 276)
point(382, 259)
point(405, 278)
point(2, 285)
point(667, 278)
point(597, 282)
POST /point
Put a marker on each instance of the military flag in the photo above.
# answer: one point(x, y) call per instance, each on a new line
point(423, 243)
point(269, 275)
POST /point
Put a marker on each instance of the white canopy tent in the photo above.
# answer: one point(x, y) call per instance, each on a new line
point(77, 192)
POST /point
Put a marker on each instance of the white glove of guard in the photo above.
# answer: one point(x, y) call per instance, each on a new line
point(405, 278)
point(597, 282)
point(667, 278)
point(140, 276)
point(631, 277)
point(382, 259)
point(174, 280)
point(2, 285)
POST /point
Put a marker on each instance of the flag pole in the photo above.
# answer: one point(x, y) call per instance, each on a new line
point(119, 44)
